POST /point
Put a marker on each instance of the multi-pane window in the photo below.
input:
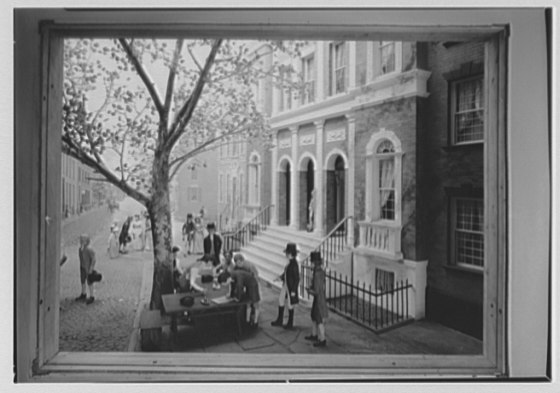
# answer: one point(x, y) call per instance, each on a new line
point(386, 186)
point(467, 107)
point(338, 68)
point(468, 232)
point(221, 188)
point(308, 71)
point(194, 174)
point(384, 280)
point(387, 55)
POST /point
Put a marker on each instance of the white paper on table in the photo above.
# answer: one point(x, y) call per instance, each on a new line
point(221, 300)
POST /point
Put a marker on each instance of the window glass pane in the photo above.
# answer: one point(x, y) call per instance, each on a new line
point(469, 111)
point(387, 57)
point(469, 233)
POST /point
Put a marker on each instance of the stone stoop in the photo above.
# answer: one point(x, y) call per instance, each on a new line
point(266, 251)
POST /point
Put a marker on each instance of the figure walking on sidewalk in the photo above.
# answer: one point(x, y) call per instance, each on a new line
point(87, 263)
point(319, 310)
point(289, 291)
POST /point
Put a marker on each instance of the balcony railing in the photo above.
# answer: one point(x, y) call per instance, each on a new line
point(382, 236)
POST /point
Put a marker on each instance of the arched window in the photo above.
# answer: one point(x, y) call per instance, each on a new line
point(383, 177)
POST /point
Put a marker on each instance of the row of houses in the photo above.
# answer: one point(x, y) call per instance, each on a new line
point(390, 135)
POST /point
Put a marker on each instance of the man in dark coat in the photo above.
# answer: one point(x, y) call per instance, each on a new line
point(319, 310)
point(289, 291)
point(212, 245)
point(247, 288)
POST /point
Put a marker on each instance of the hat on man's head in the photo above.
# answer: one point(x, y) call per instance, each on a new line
point(315, 257)
point(175, 249)
point(211, 225)
point(291, 248)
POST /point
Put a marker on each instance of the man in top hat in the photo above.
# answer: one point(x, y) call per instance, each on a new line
point(289, 291)
point(212, 245)
point(319, 310)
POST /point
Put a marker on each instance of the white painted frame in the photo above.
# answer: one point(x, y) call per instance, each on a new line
point(372, 175)
point(35, 329)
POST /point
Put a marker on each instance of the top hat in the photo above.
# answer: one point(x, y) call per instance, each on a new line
point(211, 225)
point(175, 249)
point(291, 248)
point(189, 215)
point(315, 257)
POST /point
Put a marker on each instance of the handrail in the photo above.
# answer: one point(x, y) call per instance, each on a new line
point(330, 247)
point(247, 232)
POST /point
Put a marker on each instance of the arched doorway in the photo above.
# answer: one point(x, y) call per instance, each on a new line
point(336, 191)
point(306, 186)
point(284, 190)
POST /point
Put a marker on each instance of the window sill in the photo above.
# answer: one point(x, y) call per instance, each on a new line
point(463, 146)
point(463, 269)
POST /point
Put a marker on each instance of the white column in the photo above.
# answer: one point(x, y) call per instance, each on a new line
point(294, 179)
point(351, 65)
point(351, 175)
point(321, 67)
point(274, 178)
point(319, 174)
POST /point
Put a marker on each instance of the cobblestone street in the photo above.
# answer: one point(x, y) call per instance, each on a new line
point(105, 325)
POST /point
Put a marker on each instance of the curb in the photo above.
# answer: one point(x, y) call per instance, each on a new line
point(144, 298)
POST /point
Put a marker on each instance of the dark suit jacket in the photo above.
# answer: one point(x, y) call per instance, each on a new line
point(291, 277)
point(217, 248)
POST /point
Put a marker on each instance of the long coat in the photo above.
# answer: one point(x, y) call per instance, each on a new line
point(319, 309)
point(215, 253)
point(291, 279)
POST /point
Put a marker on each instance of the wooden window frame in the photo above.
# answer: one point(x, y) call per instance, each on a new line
point(453, 110)
point(452, 232)
point(51, 365)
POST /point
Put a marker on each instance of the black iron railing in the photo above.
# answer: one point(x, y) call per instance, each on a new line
point(375, 309)
point(234, 240)
point(330, 248)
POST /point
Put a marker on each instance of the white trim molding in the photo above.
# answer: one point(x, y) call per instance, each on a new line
point(307, 155)
point(333, 152)
point(280, 165)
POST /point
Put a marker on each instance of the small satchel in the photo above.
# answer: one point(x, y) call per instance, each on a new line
point(95, 276)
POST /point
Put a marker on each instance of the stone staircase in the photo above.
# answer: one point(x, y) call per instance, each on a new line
point(266, 250)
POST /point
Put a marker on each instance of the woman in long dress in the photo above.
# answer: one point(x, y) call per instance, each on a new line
point(198, 243)
point(113, 247)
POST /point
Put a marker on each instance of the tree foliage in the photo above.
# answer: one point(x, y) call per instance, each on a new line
point(129, 102)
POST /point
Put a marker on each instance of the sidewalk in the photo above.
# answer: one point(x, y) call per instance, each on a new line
point(343, 335)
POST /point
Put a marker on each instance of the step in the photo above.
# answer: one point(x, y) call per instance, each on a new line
point(272, 246)
point(283, 237)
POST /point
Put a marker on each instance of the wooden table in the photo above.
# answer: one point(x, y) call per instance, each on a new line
point(232, 311)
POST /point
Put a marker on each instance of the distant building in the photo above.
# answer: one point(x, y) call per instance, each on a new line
point(77, 192)
point(195, 187)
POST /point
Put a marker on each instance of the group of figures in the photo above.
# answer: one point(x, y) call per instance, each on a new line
point(134, 234)
point(194, 234)
point(242, 277)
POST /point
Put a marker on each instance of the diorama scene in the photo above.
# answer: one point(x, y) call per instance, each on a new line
point(297, 197)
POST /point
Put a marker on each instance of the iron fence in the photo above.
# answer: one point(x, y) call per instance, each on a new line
point(374, 309)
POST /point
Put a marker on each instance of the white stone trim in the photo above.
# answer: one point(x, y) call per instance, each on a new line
point(258, 161)
point(302, 159)
point(336, 151)
point(338, 134)
point(285, 143)
point(307, 139)
point(285, 157)
point(372, 175)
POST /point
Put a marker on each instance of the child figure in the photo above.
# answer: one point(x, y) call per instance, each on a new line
point(188, 233)
point(247, 288)
point(289, 291)
point(177, 271)
point(113, 242)
point(319, 310)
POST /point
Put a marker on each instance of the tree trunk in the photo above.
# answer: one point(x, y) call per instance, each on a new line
point(162, 235)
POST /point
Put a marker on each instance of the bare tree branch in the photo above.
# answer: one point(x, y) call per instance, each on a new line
point(195, 60)
point(187, 110)
point(76, 152)
point(143, 73)
point(179, 161)
point(172, 76)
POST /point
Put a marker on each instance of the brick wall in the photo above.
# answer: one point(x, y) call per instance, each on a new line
point(443, 168)
point(399, 117)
